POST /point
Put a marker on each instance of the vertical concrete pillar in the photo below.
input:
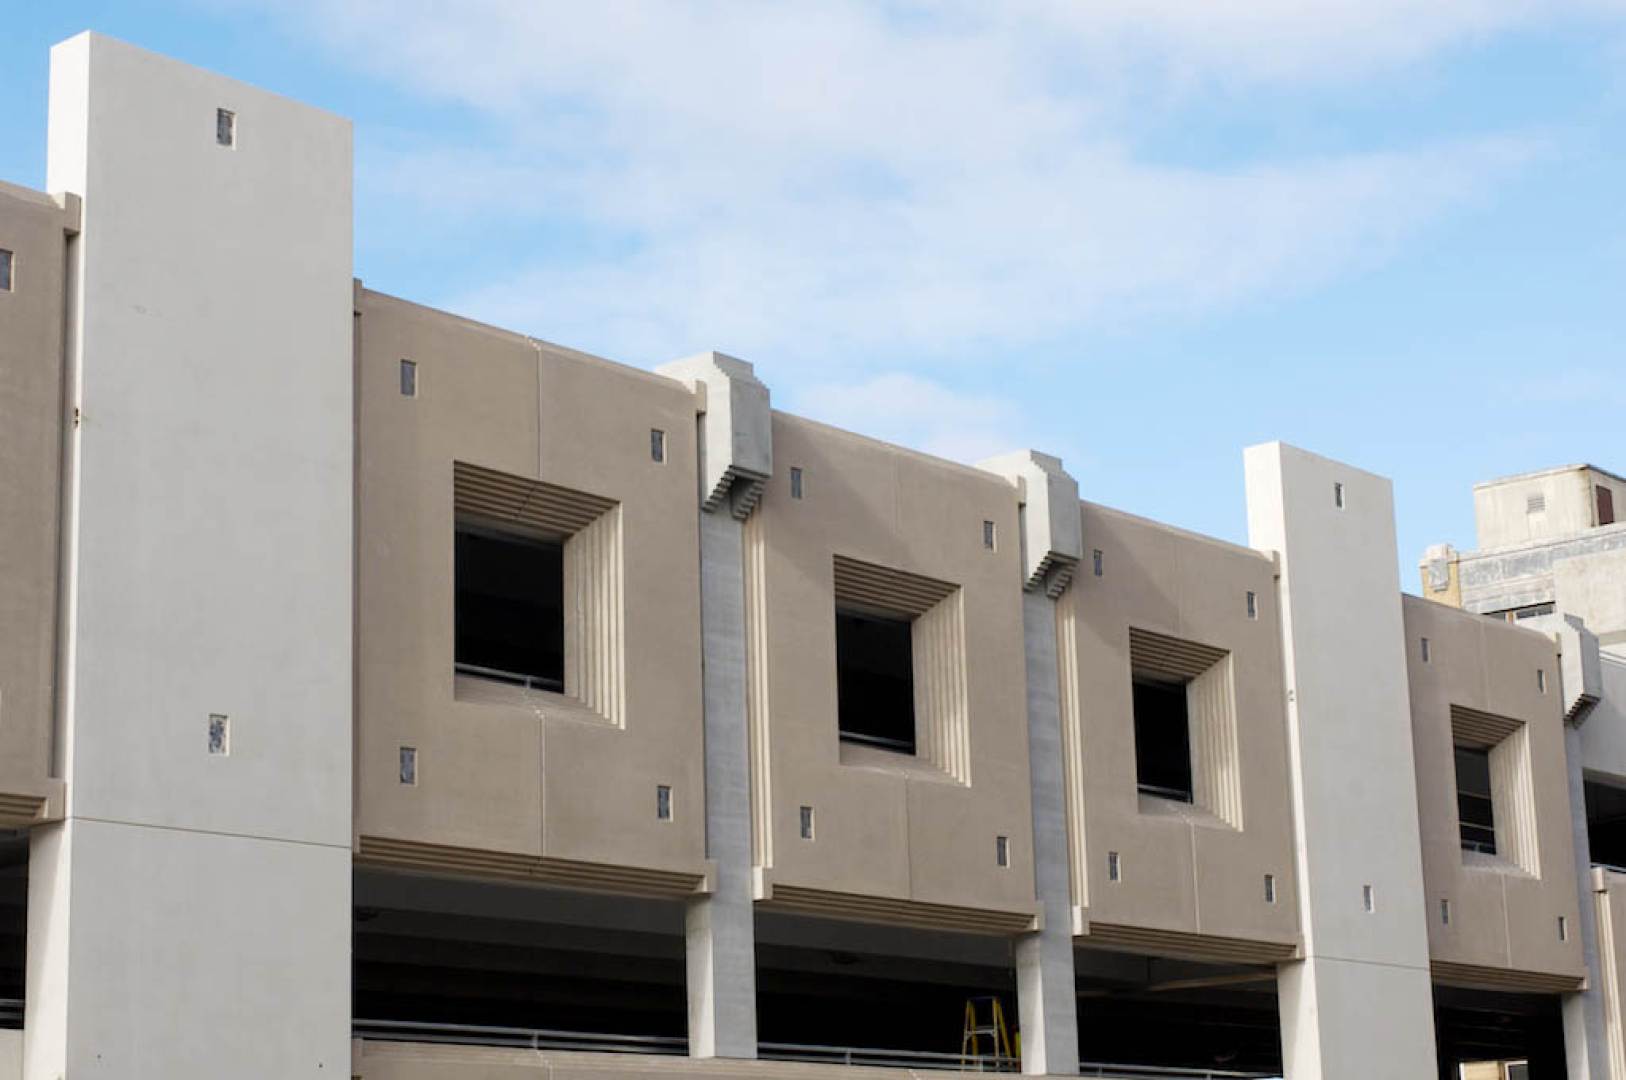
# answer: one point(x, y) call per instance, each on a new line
point(735, 462)
point(1051, 545)
point(190, 917)
point(1359, 1004)
point(1586, 1039)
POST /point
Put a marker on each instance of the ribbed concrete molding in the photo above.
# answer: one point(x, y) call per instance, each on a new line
point(1216, 772)
point(1474, 977)
point(736, 430)
point(1052, 541)
point(1186, 946)
point(893, 912)
point(1513, 791)
point(21, 811)
point(540, 870)
point(756, 691)
point(942, 701)
point(590, 526)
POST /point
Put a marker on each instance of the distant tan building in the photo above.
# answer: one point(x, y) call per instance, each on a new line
point(388, 695)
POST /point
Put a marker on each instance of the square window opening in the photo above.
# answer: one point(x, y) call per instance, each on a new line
point(795, 482)
point(1476, 814)
point(225, 127)
point(7, 260)
point(409, 378)
point(1162, 739)
point(1535, 504)
point(875, 680)
point(510, 616)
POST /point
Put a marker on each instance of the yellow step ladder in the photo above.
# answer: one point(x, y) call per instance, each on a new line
point(985, 1019)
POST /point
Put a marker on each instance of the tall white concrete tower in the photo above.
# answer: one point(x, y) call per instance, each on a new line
point(190, 917)
point(1359, 1005)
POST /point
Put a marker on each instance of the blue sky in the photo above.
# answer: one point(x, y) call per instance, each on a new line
point(1138, 235)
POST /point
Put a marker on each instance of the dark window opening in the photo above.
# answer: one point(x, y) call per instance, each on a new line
point(225, 127)
point(1606, 506)
point(5, 270)
point(510, 608)
point(1606, 823)
point(875, 681)
point(1162, 740)
point(1474, 810)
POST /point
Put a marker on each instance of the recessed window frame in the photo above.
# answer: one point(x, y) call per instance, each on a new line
point(8, 270)
point(657, 446)
point(226, 128)
point(796, 481)
point(409, 378)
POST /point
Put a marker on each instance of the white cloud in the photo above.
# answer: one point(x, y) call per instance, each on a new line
point(814, 185)
point(918, 412)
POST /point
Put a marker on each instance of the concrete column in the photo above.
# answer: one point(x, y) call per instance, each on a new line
point(1046, 992)
point(1586, 1041)
point(190, 917)
point(721, 926)
point(735, 462)
point(1051, 545)
point(1359, 1004)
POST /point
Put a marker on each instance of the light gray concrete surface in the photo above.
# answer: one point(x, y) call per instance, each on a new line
point(191, 917)
point(720, 927)
point(1359, 1004)
point(1046, 994)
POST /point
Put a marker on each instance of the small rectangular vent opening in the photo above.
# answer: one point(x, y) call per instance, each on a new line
point(1369, 899)
point(219, 734)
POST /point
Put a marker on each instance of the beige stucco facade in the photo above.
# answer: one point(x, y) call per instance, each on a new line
point(518, 781)
point(1490, 685)
point(1192, 877)
point(36, 229)
point(911, 838)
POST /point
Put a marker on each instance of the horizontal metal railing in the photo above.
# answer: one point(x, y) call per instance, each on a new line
point(512, 678)
point(524, 1038)
point(875, 1057)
